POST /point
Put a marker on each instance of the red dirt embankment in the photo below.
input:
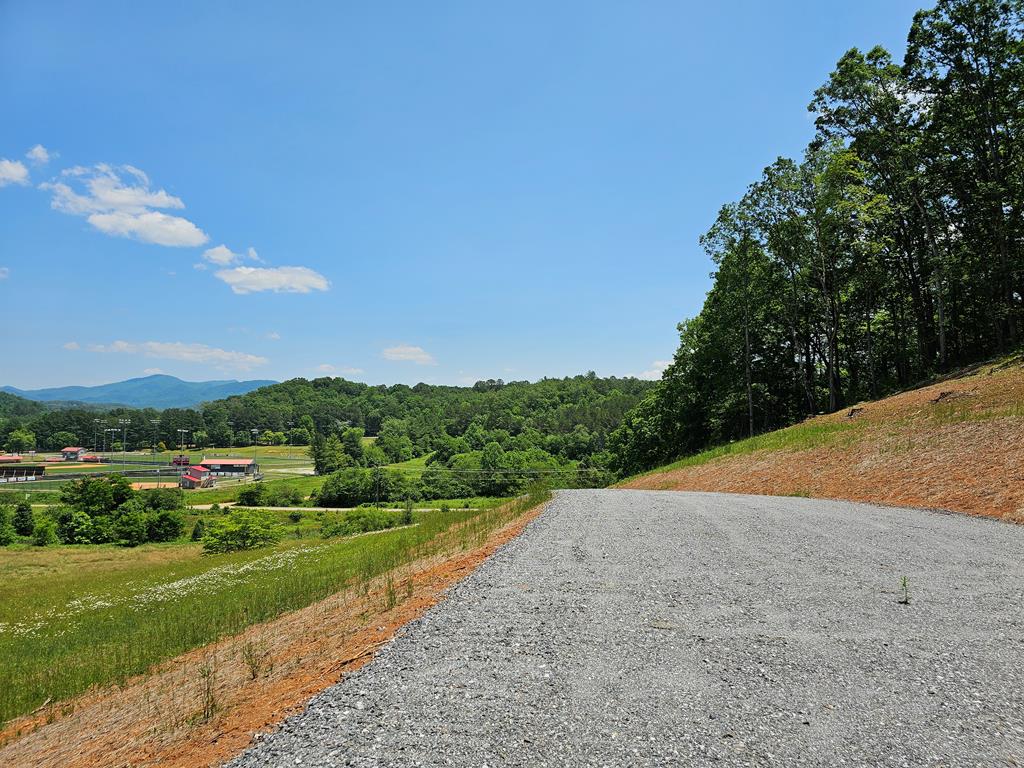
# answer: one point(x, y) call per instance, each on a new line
point(956, 445)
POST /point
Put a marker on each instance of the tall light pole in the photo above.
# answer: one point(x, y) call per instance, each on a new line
point(105, 431)
point(181, 439)
point(290, 425)
point(125, 423)
point(255, 442)
point(156, 433)
point(95, 439)
point(231, 429)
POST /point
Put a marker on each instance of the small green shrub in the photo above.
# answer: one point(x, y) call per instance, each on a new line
point(198, 530)
point(24, 522)
point(358, 521)
point(45, 533)
point(73, 526)
point(131, 527)
point(7, 533)
point(252, 495)
point(164, 525)
point(242, 529)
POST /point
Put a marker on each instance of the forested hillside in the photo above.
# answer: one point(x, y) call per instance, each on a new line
point(550, 424)
point(892, 250)
point(14, 406)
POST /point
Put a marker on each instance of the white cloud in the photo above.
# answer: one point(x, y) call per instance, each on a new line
point(12, 172)
point(188, 353)
point(654, 372)
point(150, 227)
point(4, 273)
point(152, 371)
point(119, 201)
point(345, 371)
point(72, 345)
point(274, 336)
point(277, 279)
point(39, 154)
point(409, 353)
point(222, 256)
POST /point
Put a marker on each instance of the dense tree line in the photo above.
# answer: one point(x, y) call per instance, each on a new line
point(890, 251)
point(98, 511)
point(568, 419)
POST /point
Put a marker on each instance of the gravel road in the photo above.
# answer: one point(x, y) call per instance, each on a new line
point(658, 628)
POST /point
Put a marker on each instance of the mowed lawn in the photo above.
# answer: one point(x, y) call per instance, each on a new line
point(72, 617)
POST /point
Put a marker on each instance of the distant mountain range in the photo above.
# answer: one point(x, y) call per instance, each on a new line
point(158, 391)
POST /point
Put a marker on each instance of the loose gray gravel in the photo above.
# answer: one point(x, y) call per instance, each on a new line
point(655, 628)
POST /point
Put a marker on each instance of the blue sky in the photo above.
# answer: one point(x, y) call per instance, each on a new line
point(393, 192)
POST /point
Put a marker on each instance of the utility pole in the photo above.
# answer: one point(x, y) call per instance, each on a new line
point(125, 423)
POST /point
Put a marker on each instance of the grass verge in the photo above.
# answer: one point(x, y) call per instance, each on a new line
point(78, 630)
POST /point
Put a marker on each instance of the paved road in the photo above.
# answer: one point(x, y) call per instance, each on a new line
point(656, 628)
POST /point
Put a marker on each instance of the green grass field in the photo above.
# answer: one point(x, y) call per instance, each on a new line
point(76, 617)
point(418, 464)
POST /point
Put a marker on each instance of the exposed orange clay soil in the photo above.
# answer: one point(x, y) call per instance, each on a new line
point(956, 445)
point(157, 719)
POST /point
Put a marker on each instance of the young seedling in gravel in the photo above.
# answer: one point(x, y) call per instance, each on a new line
point(905, 586)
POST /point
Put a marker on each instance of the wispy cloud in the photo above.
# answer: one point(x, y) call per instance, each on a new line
point(4, 273)
point(277, 279)
point(72, 345)
point(222, 256)
point(654, 372)
point(343, 370)
point(119, 201)
point(183, 352)
point(409, 353)
point(152, 371)
point(274, 336)
point(40, 155)
point(12, 172)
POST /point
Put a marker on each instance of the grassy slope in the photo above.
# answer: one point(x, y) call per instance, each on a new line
point(957, 445)
point(76, 616)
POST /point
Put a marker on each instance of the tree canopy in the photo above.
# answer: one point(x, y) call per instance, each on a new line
point(890, 251)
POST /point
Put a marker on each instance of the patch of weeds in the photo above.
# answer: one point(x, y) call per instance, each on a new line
point(256, 657)
point(208, 689)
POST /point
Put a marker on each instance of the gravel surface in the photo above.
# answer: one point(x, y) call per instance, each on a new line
point(660, 628)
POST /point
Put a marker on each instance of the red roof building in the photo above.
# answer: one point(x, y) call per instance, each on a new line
point(195, 477)
point(231, 467)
